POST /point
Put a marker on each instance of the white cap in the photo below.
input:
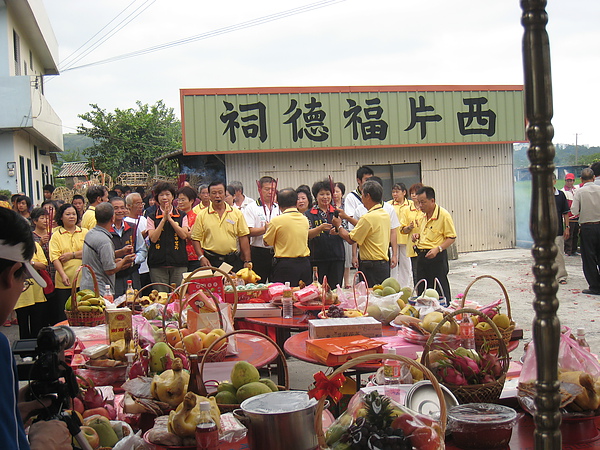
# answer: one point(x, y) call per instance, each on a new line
point(204, 406)
point(15, 253)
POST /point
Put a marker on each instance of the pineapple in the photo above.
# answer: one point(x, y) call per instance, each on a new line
point(379, 410)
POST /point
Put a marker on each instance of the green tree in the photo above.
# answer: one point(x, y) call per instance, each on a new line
point(129, 140)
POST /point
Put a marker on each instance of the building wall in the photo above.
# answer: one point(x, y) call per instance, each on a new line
point(473, 182)
point(26, 147)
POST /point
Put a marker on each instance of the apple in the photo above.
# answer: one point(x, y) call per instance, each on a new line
point(91, 412)
point(186, 332)
point(202, 335)
point(210, 338)
point(193, 343)
point(173, 336)
point(91, 436)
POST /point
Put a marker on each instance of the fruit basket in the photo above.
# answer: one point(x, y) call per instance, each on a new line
point(368, 358)
point(473, 393)
point(489, 336)
point(334, 311)
point(137, 306)
point(195, 282)
point(202, 387)
point(78, 318)
point(414, 337)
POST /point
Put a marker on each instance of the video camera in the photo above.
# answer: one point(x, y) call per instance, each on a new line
point(49, 375)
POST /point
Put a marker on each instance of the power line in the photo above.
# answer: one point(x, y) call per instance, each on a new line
point(229, 29)
point(118, 27)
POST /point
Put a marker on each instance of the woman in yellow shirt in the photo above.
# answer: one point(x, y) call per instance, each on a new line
point(403, 271)
point(66, 250)
point(30, 307)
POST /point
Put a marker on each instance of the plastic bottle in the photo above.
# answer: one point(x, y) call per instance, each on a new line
point(391, 377)
point(467, 333)
point(129, 294)
point(315, 278)
point(108, 293)
point(581, 339)
point(207, 435)
point(130, 357)
point(288, 302)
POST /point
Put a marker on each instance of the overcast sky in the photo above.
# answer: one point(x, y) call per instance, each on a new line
point(350, 43)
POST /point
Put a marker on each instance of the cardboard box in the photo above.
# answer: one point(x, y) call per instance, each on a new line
point(249, 296)
point(336, 351)
point(344, 326)
point(117, 321)
point(257, 310)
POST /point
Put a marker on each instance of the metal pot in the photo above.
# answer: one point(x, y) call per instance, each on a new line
point(279, 420)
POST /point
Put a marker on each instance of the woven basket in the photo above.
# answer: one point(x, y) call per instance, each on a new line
point(365, 358)
point(200, 387)
point(79, 318)
point(473, 393)
point(136, 308)
point(190, 279)
point(490, 337)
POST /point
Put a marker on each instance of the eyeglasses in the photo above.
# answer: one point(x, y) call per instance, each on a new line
point(26, 285)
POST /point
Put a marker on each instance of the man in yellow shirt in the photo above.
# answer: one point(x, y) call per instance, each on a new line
point(372, 234)
point(95, 195)
point(216, 232)
point(435, 234)
point(288, 234)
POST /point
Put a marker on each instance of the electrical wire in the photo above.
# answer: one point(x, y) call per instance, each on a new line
point(118, 27)
point(229, 29)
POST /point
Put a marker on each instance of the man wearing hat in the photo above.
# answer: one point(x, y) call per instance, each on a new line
point(573, 239)
point(16, 275)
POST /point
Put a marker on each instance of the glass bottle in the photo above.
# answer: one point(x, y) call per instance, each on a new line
point(288, 302)
point(129, 295)
point(581, 339)
point(315, 276)
point(467, 333)
point(207, 435)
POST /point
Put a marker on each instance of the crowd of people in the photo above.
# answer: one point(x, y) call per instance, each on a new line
point(284, 235)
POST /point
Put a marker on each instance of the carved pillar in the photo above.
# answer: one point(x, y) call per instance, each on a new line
point(546, 327)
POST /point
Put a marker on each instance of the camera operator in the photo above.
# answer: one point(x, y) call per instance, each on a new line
point(16, 251)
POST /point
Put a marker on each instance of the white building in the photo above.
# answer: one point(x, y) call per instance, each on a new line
point(30, 130)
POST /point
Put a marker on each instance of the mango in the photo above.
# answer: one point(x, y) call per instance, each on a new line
point(226, 398)
point(157, 356)
point(388, 290)
point(244, 373)
point(432, 293)
point(269, 383)
point(225, 386)
point(393, 283)
point(108, 437)
point(251, 389)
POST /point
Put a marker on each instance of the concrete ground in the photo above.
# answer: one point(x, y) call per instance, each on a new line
point(513, 268)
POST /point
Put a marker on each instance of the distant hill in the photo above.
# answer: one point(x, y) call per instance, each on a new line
point(74, 141)
point(565, 155)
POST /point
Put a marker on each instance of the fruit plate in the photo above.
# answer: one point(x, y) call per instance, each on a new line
point(304, 307)
point(414, 337)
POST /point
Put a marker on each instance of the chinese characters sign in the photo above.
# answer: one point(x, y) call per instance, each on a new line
point(230, 120)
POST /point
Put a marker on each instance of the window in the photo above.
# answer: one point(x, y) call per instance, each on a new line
point(35, 156)
point(37, 189)
point(397, 173)
point(22, 172)
point(31, 60)
point(17, 52)
point(29, 179)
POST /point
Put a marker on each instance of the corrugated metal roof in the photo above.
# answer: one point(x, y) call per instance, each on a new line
point(74, 169)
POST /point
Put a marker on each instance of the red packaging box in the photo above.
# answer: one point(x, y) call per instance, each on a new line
point(336, 351)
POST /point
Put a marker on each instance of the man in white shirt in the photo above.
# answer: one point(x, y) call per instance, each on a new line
point(258, 214)
point(135, 205)
point(240, 201)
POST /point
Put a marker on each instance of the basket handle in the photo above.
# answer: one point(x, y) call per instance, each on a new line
point(365, 358)
point(358, 272)
point(502, 350)
point(422, 280)
point(200, 381)
point(190, 279)
point(74, 283)
point(136, 297)
point(506, 299)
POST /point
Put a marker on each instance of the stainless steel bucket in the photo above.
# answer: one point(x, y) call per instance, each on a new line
point(279, 420)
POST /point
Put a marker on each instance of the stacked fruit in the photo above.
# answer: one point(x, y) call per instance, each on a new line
point(462, 367)
point(86, 301)
point(194, 341)
point(245, 383)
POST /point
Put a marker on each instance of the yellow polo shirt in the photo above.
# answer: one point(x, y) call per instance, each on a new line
point(88, 221)
point(219, 234)
point(399, 208)
point(436, 230)
point(64, 242)
point(288, 234)
point(372, 234)
point(414, 215)
point(35, 293)
point(199, 207)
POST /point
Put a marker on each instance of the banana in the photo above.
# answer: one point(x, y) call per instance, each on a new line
point(84, 308)
point(94, 301)
point(87, 297)
point(83, 303)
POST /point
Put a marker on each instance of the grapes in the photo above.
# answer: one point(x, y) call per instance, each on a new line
point(335, 311)
point(362, 435)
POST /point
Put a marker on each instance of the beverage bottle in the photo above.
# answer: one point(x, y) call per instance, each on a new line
point(315, 276)
point(581, 339)
point(288, 302)
point(108, 294)
point(130, 357)
point(467, 333)
point(207, 435)
point(391, 377)
point(129, 294)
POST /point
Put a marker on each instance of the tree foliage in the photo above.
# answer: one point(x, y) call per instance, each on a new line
point(129, 140)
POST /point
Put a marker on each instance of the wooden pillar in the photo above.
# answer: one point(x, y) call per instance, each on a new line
point(546, 326)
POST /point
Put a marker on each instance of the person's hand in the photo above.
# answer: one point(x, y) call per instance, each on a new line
point(49, 435)
point(248, 264)
point(44, 239)
point(342, 214)
point(204, 262)
point(65, 280)
point(415, 237)
point(355, 262)
point(28, 408)
point(325, 227)
point(566, 235)
point(393, 261)
point(65, 257)
point(432, 253)
point(337, 221)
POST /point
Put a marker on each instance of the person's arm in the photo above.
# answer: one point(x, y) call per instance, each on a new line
point(394, 245)
point(49, 435)
point(344, 234)
point(567, 231)
point(61, 271)
point(314, 232)
point(124, 251)
point(181, 232)
point(435, 251)
point(121, 264)
point(141, 252)
point(245, 249)
point(575, 204)
point(154, 232)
